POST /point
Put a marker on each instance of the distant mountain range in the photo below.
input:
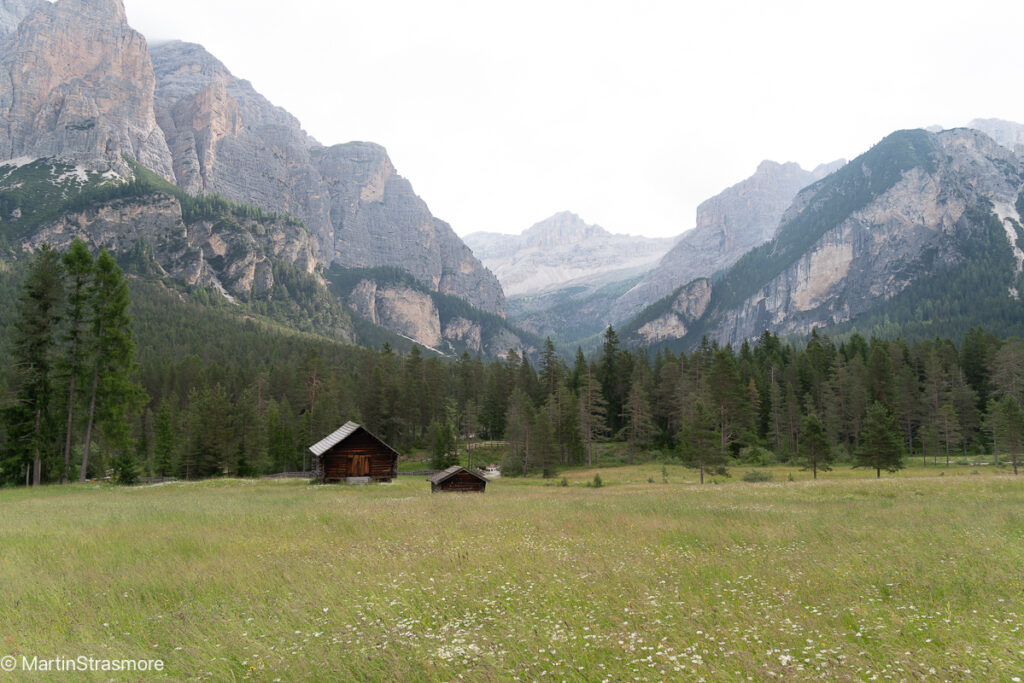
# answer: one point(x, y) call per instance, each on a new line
point(194, 179)
point(90, 105)
point(919, 236)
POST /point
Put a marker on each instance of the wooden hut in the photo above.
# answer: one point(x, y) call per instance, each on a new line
point(459, 479)
point(353, 452)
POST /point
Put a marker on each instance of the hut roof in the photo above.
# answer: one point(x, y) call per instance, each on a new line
point(339, 435)
point(445, 475)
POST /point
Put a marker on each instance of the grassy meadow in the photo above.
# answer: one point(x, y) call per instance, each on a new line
point(914, 576)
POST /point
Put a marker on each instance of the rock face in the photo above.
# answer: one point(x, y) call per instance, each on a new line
point(76, 83)
point(422, 316)
point(235, 259)
point(728, 225)
point(563, 250)
point(78, 86)
point(688, 306)
point(404, 310)
point(228, 139)
point(915, 203)
point(12, 12)
point(1007, 133)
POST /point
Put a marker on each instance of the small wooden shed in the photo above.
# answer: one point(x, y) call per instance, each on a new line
point(459, 479)
point(352, 451)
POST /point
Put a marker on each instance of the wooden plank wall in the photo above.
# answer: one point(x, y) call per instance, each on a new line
point(338, 460)
point(463, 481)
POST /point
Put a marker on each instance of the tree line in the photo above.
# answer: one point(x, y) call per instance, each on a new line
point(210, 392)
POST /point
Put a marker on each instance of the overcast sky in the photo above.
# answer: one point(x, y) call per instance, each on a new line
point(627, 113)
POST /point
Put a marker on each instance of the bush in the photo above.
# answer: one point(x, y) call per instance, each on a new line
point(511, 465)
point(597, 483)
point(755, 455)
point(564, 482)
point(757, 476)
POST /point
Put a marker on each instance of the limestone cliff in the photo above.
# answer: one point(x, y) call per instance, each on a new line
point(1007, 133)
point(234, 258)
point(915, 205)
point(728, 225)
point(228, 139)
point(76, 83)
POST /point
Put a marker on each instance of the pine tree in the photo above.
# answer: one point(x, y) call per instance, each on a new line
point(30, 422)
point(592, 413)
point(815, 453)
point(698, 448)
point(543, 453)
point(637, 427)
point(880, 447)
point(114, 390)
point(78, 264)
point(1008, 422)
point(164, 439)
point(444, 442)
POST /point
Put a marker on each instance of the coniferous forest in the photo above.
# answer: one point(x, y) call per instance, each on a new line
point(166, 386)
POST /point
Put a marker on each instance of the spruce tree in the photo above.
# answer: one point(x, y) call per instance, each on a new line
point(815, 453)
point(114, 390)
point(880, 447)
point(78, 264)
point(1008, 422)
point(30, 421)
point(698, 446)
point(593, 413)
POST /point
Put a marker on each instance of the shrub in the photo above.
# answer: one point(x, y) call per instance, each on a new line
point(757, 476)
point(564, 482)
point(755, 455)
point(597, 483)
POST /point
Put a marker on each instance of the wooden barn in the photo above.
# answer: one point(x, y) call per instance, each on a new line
point(352, 452)
point(459, 479)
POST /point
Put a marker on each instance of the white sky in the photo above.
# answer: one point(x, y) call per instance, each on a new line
point(628, 113)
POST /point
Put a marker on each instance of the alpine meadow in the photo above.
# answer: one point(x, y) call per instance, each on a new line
point(265, 416)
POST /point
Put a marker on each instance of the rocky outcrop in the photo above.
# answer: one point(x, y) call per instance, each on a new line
point(728, 225)
point(79, 86)
point(12, 12)
point(561, 251)
point(235, 259)
point(420, 316)
point(687, 306)
point(228, 139)
point(403, 310)
point(920, 223)
point(1007, 133)
point(76, 84)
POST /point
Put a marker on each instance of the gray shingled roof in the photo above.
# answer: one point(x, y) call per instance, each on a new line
point(445, 475)
point(336, 437)
point(333, 438)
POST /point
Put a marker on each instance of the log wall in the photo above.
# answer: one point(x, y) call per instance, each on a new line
point(461, 482)
point(337, 463)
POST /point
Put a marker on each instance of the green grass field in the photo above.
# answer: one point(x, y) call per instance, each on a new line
point(913, 576)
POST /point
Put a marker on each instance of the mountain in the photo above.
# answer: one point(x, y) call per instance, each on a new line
point(1006, 133)
point(562, 274)
point(729, 224)
point(91, 107)
point(920, 235)
point(563, 249)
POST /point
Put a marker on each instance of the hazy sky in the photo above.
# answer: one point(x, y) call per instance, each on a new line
point(627, 113)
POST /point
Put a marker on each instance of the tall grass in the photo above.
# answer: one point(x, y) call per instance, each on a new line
point(849, 578)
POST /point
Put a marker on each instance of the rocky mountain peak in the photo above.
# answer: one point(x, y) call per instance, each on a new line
point(1006, 133)
point(105, 10)
point(562, 229)
point(76, 83)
